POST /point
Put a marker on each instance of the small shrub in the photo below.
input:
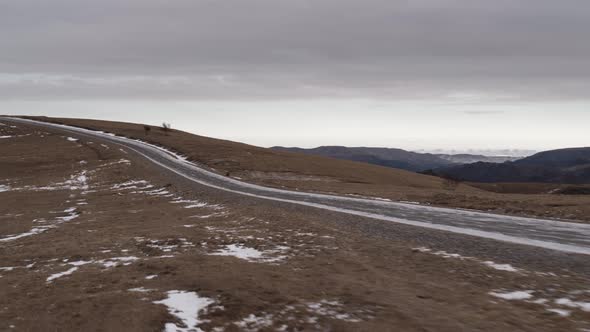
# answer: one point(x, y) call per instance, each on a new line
point(166, 127)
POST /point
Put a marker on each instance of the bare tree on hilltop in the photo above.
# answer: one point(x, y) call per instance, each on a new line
point(166, 127)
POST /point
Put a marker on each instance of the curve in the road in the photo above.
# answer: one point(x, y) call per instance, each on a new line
point(549, 234)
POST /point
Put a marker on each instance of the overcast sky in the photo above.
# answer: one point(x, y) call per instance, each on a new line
point(416, 74)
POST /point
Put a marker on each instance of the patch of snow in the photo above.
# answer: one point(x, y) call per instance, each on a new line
point(156, 192)
point(164, 256)
point(250, 254)
point(585, 306)
point(132, 184)
point(33, 231)
point(330, 309)
point(186, 306)
point(7, 268)
point(516, 295)
point(162, 247)
point(78, 181)
point(6, 136)
point(80, 263)
point(72, 214)
point(4, 188)
point(305, 234)
point(501, 267)
point(71, 139)
point(197, 205)
point(540, 301)
point(255, 322)
point(152, 276)
point(115, 261)
point(140, 290)
point(561, 312)
point(312, 312)
point(61, 274)
point(239, 251)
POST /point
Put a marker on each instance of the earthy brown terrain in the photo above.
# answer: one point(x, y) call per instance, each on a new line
point(313, 173)
point(91, 236)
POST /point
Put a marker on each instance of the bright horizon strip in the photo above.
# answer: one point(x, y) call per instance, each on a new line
point(410, 125)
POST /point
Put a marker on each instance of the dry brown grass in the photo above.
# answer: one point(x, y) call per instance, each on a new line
point(314, 173)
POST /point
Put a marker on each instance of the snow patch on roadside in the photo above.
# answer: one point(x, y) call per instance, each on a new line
point(561, 306)
point(71, 139)
point(4, 188)
point(493, 265)
point(186, 306)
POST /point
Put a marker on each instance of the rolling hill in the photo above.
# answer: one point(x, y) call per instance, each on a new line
point(556, 166)
point(395, 158)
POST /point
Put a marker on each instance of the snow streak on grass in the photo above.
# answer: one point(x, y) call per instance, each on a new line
point(61, 274)
point(493, 265)
point(71, 214)
point(516, 295)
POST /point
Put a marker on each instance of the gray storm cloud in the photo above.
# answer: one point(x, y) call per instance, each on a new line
point(266, 49)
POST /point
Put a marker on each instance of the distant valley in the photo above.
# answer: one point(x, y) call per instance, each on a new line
point(571, 166)
point(398, 158)
point(557, 166)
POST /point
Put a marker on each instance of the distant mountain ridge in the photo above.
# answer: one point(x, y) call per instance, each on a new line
point(465, 158)
point(570, 165)
point(395, 158)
